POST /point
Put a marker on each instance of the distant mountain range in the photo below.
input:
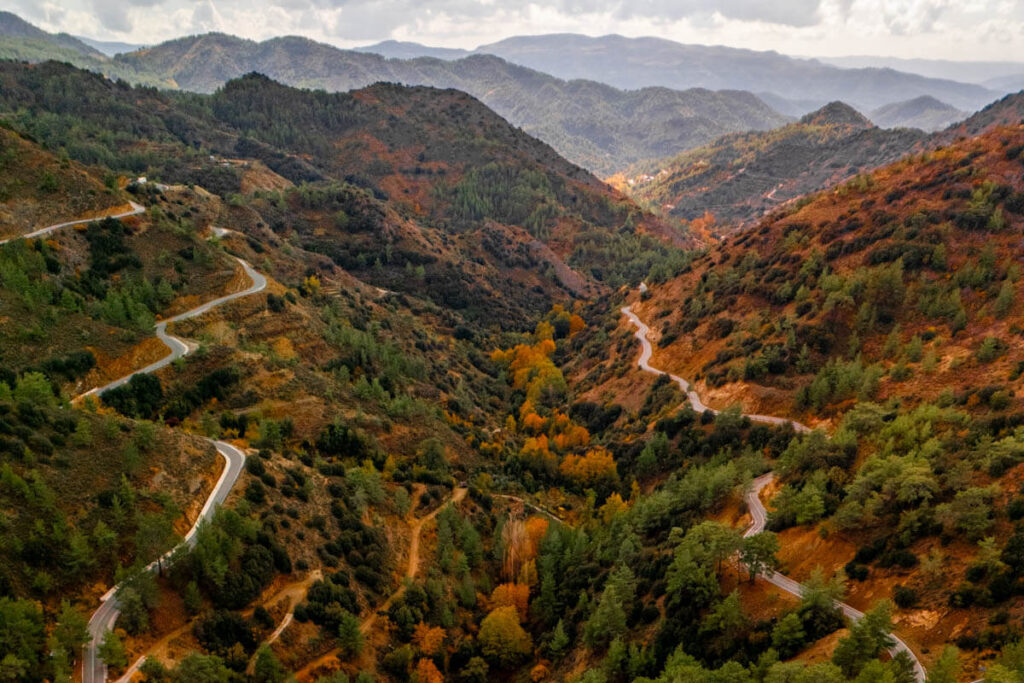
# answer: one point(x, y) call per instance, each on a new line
point(627, 100)
point(592, 124)
point(110, 47)
point(988, 74)
point(640, 62)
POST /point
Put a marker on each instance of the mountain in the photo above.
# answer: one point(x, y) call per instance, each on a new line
point(925, 112)
point(740, 177)
point(1008, 111)
point(981, 73)
point(396, 49)
point(885, 313)
point(109, 47)
point(836, 114)
point(591, 124)
point(438, 450)
point(1010, 84)
point(495, 219)
point(14, 27)
point(640, 62)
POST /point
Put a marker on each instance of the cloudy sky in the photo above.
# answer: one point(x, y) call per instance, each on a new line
point(942, 29)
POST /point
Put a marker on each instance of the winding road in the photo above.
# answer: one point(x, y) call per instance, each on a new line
point(93, 668)
point(135, 211)
point(179, 347)
point(758, 514)
point(646, 351)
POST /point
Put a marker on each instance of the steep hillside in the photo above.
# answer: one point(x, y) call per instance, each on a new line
point(639, 62)
point(915, 254)
point(461, 194)
point(886, 313)
point(1008, 111)
point(925, 113)
point(37, 190)
point(13, 26)
point(740, 177)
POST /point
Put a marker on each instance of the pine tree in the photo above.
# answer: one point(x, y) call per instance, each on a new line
point(559, 644)
point(112, 651)
point(868, 638)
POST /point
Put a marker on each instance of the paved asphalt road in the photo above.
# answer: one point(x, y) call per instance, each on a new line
point(103, 619)
point(93, 668)
point(136, 210)
point(758, 515)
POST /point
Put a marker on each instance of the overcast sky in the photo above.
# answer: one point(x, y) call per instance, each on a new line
point(941, 29)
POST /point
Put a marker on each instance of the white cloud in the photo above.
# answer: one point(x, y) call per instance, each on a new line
point(947, 29)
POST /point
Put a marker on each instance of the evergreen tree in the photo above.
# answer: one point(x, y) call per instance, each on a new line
point(609, 619)
point(869, 637)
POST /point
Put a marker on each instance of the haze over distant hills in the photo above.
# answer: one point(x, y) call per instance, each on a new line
point(638, 62)
point(982, 73)
point(592, 124)
point(924, 112)
point(110, 47)
point(627, 100)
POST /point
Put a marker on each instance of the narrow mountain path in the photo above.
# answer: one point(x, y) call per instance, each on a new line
point(758, 514)
point(94, 670)
point(412, 568)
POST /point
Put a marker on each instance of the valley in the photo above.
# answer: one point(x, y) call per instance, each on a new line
point(564, 358)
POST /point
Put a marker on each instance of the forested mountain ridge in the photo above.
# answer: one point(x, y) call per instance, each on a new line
point(451, 177)
point(740, 177)
point(590, 123)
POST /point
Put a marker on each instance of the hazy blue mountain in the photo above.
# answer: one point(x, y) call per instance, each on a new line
point(925, 113)
point(1009, 84)
point(982, 73)
point(638, 62)
point(396, 49)
point(110, 47)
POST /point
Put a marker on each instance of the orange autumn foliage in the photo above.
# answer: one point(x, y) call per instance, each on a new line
point(595, 467)
point(511, 595)
point(534, 423)
point(524, 360)
point(426, 672)
point(536, 529)
point(576, 324)
point(572, 437)
point(536, 453)
point(428, 639)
